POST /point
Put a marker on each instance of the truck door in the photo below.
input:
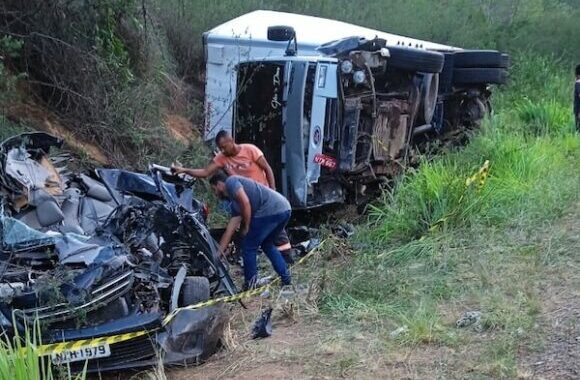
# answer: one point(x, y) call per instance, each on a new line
point(324, 88)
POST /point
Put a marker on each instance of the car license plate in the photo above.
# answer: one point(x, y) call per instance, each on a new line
point(325, 161)
point(84, 353)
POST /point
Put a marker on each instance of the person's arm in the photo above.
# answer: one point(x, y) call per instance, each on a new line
point(197, 173)
point(245, 210)
point(262, 163)
point(231, 228)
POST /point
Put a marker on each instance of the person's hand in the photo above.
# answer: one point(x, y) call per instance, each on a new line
point(224, 254)
point(176, 169)
point(244, 230)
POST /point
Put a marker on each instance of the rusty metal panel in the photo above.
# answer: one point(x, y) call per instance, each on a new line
point(391, 130)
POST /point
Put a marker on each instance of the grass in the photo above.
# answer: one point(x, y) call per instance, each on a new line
point(20, 359)
point(9, 129)
point(434, 247)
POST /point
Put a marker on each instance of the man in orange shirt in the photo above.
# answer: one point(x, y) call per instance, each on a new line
point(245, 160)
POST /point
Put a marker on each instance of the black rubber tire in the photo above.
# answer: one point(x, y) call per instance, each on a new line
point(480, 58)
point(194, 290)
point(412, 59)
point(480, 76)
point(505, 61)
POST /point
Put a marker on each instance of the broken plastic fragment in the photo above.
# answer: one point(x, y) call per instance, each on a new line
point(262, 327)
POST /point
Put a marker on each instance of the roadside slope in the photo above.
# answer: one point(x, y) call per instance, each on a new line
point(544, 345)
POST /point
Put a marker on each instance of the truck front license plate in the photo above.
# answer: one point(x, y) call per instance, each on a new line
point(83, 353)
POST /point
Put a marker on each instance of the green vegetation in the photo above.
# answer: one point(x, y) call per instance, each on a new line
point(130, 64)
point(112, 70)
point(436, 247)
point(544, 26)
point(20, 359)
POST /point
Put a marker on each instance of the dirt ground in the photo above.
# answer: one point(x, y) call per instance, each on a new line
point(305, 345)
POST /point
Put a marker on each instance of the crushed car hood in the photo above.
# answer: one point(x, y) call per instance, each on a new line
point(99, 253)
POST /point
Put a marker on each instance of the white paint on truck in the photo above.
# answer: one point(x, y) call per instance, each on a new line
point(245, 39)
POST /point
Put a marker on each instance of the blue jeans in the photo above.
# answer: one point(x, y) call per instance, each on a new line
point(262, 233)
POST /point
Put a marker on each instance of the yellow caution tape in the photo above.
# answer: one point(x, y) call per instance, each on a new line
point(235, 297)
point(57, 348)
point(479, 178)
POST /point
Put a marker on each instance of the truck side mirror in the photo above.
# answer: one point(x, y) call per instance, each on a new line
point(284, 33)
point(281, 33)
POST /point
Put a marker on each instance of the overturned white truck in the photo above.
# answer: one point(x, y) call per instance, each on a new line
point(336, 108)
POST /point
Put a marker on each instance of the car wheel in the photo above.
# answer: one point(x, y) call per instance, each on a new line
point(481, 58)
point(194, 290)
point(412, 59)
point(480, 76)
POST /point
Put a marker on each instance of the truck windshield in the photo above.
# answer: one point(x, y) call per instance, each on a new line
point(259, 106)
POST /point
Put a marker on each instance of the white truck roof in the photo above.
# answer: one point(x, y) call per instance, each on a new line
point(245, 38)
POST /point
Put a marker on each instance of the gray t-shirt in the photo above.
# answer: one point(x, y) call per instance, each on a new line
point(264, 201)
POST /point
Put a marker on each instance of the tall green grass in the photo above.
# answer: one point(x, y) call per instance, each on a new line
point(547, 27)
point(420, 247)
point(20, 359)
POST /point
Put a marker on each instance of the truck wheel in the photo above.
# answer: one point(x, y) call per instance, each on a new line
point(481, 58)
point(415, 59)
point(429, 92)
point(480, 76)
point(195, 289)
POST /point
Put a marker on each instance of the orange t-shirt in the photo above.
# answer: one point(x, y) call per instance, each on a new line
point(244, 164)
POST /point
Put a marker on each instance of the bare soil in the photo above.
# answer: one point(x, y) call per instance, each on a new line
point(180, 128)
point(43, 120)
point(308, 346)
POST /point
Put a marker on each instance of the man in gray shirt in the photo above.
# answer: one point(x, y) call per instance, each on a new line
point(264, 214)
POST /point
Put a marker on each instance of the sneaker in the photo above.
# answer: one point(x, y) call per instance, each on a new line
point(263, 281)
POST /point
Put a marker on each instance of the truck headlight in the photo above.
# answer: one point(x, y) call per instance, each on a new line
point(346, 67)
point(359, 77)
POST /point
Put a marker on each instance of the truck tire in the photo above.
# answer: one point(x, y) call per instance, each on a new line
point(195, 289)
point(415, 59)
point(481, 58)
point(480, 76)
point(429, 91)
point(506, 61)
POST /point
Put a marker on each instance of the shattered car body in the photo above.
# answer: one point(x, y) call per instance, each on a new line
point(101, 255)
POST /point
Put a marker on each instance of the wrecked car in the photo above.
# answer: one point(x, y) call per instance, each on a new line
point(112, 252)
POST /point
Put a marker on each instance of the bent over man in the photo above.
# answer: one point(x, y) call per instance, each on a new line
point(245, 160)
point(264, 214)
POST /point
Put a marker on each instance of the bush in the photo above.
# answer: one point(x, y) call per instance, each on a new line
point(407, 261)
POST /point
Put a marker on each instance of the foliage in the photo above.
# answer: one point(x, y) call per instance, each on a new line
point(434, 241)
point(20, 359)
point(543, 26)
point(10, 48)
